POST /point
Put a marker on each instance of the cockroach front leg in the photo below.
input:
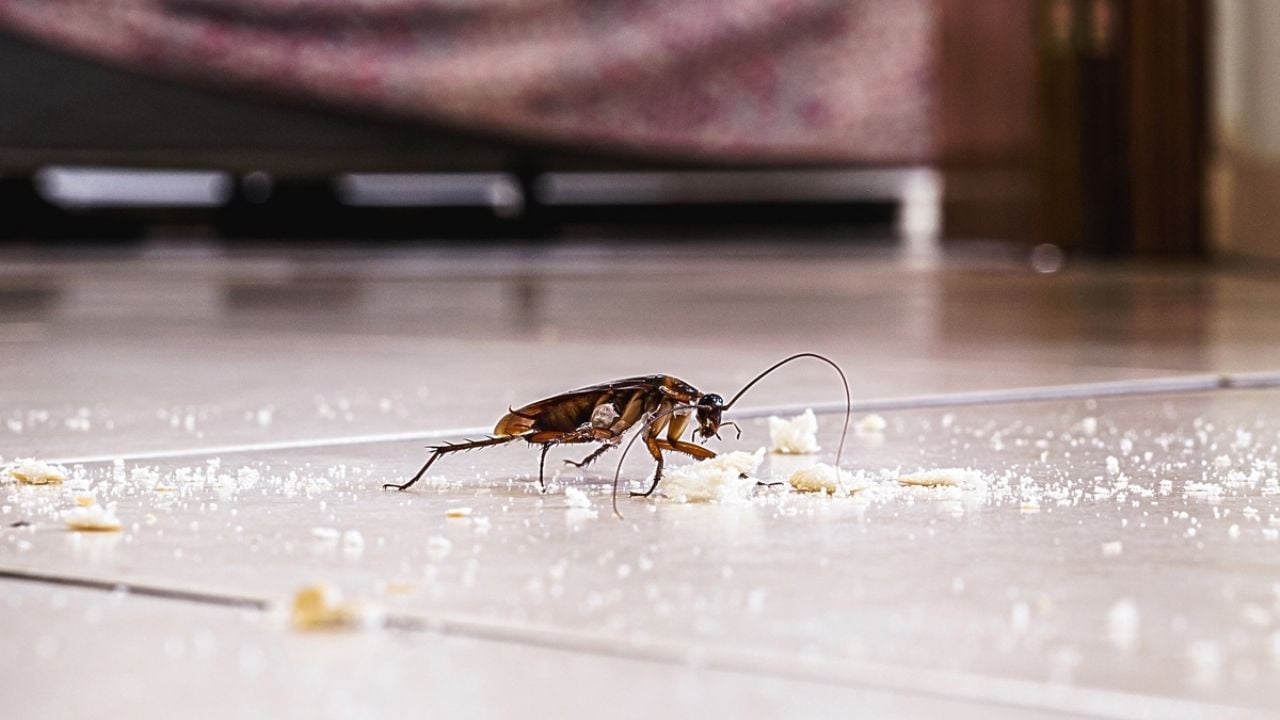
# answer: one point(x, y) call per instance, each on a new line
point(655, 450)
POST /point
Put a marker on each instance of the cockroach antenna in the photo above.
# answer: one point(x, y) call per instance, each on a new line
point(848, 397)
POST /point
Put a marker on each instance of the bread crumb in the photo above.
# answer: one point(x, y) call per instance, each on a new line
point(458, 512)
point(320, 607)
point(93, 518)
point(29, 471)
point(824, 478)
point(1202, 489)
point(1113, 548)
point(871, 425)
point(576, 499)
point(797, 436)
point(724, 478)
point(941, 477)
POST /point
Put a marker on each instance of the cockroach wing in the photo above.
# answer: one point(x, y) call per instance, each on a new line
point(568, 411)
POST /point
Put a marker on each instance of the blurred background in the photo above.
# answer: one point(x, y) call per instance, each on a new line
point(1097, 127)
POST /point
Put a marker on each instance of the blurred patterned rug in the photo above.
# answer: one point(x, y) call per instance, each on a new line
point(729, 80)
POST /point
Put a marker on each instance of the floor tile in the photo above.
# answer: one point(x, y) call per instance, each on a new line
point(1121, 545)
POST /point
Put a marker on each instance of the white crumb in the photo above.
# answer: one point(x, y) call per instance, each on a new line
point(94, 518)
point(29, 471)
point(1123, 623)
point(1199, 489)
point(942, 477)
point(824, 478)
point(871, 425)
point(352, 543)
point(438, 547)
point(1089, 426)
point(576, 499)
point(1029, 507)
point(724, 478)
point(797, 436)
point(1113, 548)
point(458, 512)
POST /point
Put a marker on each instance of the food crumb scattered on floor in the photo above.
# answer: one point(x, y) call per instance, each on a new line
point(29, 471)
point(794, 436)
point(725, 478)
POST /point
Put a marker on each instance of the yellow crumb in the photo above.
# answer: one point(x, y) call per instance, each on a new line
point(92, 518)
point(316, 607)
point(824, 478)
point(932, 478)
point(34, 472)
point(400, 588)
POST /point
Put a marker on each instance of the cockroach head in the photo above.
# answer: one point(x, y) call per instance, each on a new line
point(709, 409)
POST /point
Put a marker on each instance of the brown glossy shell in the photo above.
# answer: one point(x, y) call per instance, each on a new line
point(568, 411)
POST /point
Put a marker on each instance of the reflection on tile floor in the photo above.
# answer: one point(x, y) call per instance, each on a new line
point(1118, 556)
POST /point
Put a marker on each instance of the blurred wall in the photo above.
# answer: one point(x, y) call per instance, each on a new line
point(1244, 184)
point(986, 117)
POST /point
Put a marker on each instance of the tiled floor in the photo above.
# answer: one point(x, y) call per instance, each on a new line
point(1117, 555)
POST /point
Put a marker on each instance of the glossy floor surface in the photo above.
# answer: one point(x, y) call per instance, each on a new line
point(1112, 549)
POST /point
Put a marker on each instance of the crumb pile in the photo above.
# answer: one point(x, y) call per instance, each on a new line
point(795, 436)
point(821, 477)
point(29, 471)
point(724, 478)
point(92, 518)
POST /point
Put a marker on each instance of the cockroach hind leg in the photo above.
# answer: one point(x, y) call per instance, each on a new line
point(439, 451)
point(405, 486)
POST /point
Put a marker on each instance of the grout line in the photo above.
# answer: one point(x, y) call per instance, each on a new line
point(152, 591)
point(1108, 389)
point(280, 445)
point(923, 682)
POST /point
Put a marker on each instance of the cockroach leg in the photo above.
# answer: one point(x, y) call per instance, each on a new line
point(657, 477)
point(653, 443)
point(542, 462)
point(439, 451)
point(592, 457)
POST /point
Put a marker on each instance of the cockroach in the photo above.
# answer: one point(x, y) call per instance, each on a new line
point(604, 413)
